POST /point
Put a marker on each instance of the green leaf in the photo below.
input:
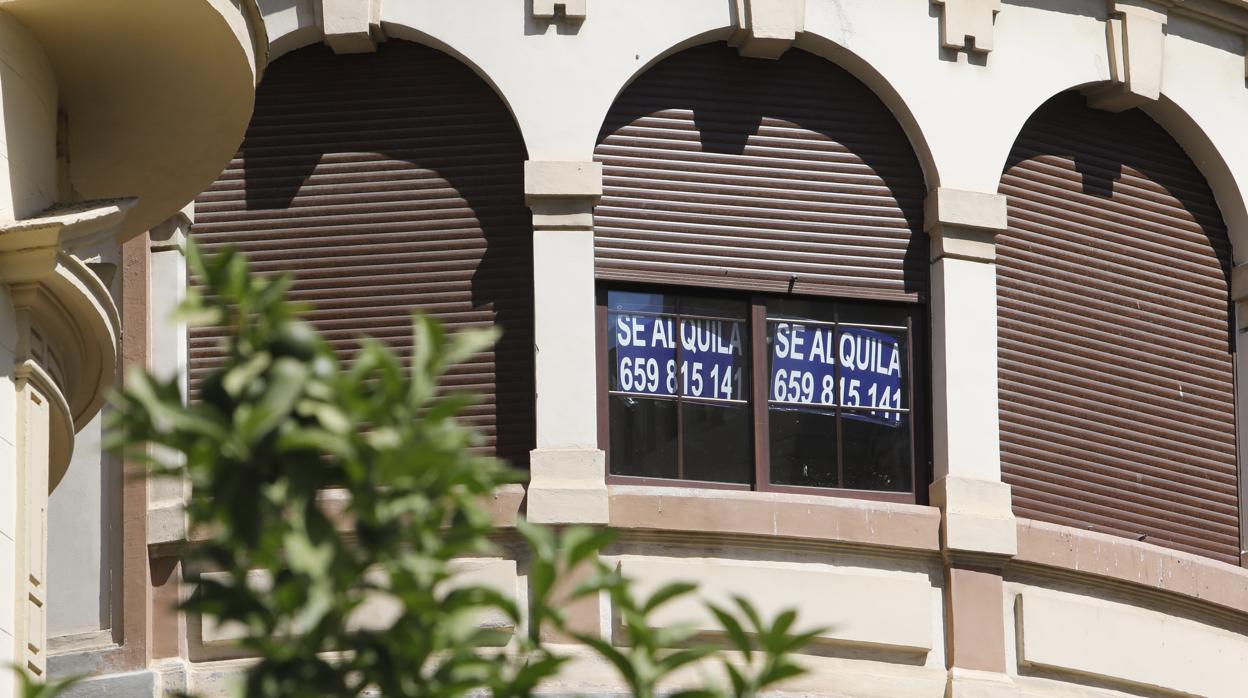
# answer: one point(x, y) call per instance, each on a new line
point(667, 593)
point(286, 381)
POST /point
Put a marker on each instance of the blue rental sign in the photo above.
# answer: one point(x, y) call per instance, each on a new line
point(804, 361)
point(711, 354)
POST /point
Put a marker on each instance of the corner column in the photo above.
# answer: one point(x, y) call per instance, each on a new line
point(568, 470)
point(978, 530)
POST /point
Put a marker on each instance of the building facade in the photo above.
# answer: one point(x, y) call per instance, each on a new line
point(114, 116)
point(921, 317)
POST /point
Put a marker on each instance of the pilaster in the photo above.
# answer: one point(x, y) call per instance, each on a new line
point(978, 529)
point(166, 506)
point(568, 470)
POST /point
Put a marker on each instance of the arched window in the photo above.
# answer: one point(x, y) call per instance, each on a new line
point(387, 183)
point(1117, 390)
point(762, 277)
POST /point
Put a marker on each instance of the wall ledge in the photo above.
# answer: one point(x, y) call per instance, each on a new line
point(1086, 554)
point(775, 515)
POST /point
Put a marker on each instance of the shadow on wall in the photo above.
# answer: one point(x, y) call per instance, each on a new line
point(390, 182)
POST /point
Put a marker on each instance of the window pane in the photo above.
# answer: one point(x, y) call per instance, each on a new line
point(640, 301)
point(798, 309)
point(863, 313)
point(873, 368)
point(718, 442)
point(714, 359)
point(643, 436)
point(801, 363)
point(876, 451)
point(641, 353)
point(803, 446)
point(714, 307)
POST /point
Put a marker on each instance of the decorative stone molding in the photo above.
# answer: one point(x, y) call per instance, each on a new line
point(979, 524)
point(568, 486)
point(1136, 43)
point(562, 194)
point(767, 28)
point(967, 24)
point(1134, 567)
point(548, 9)
point(964, 224)
point(777, 516)
point(351, 26)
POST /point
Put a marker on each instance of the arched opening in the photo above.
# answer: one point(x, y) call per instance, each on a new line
point(1115, 334)
point(387, 183)
point(780, 202)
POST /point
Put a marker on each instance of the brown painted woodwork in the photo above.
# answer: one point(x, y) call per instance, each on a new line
point(388, 183)
point(1117, 411)
point(785, 176)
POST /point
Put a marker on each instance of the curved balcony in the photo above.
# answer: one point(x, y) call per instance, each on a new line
point(153, 95)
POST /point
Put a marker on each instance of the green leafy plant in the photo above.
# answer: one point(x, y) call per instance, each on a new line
point(282, 421)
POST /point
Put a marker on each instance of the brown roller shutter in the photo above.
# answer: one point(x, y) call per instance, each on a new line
point(1117, 409)
point(387, 183)
point(775, 176)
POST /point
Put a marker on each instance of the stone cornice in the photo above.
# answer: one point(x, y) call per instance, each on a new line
point(29, 247)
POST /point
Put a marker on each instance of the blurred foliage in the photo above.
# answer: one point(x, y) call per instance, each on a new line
point(282, 421)
point(29, 687)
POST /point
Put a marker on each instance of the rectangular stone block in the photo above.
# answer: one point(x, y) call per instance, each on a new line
point(891, 610)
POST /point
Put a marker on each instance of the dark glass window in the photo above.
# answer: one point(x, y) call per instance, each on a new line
point(763, 393)
point(678, 377)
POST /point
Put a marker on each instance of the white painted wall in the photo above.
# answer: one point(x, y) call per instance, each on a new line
point(28, 129)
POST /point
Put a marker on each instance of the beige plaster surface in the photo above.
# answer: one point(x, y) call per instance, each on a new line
point(1087, 636)
point(854, 606)
point(775, 515)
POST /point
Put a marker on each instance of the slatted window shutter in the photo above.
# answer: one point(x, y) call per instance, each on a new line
point(785, 176)
point(1117, 409)
point(388, 183)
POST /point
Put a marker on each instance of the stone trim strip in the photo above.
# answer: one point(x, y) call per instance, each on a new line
point(1100, 555)
point(775, 515)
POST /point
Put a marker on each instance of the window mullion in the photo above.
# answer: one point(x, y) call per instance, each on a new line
point(680, 394)
point(759, 381)
point(837, 392)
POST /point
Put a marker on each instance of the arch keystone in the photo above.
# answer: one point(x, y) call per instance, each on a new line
point(1135, 34)
point(351, 26)
point(767, 28)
